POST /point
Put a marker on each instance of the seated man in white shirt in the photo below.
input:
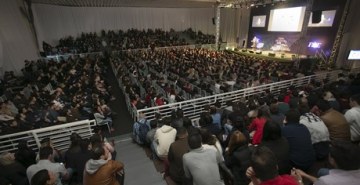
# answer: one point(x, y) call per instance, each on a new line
point(353, 117)
point(46, 155)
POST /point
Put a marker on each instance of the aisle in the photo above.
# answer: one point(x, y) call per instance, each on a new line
point(139, 169)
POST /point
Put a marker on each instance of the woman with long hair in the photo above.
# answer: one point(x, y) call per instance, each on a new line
point(237, 157)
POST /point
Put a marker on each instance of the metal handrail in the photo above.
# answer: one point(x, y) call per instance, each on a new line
point(273, 87)
point(59, 132)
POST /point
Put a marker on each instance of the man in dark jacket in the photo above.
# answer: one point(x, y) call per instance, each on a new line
point(176, 152)
point(302, 154)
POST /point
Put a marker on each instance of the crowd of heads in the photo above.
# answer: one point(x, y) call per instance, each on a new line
point(266, 136)
point(181, 74)
point(122, 40)
point(55, 92)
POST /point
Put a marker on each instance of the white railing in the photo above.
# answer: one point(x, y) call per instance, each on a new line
point(59, 135)
point(193, 108)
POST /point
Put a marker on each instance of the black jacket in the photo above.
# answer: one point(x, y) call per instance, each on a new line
point(238, 162)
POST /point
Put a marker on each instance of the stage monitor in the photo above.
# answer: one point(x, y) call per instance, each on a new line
point(354, 55)
point(258, 21)
point(327, 19)
point(287, 19)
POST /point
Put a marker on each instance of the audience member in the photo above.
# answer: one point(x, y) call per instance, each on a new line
point(257, 126)
point(45, 162)
point(263, 169)
point(319, 133)
point(336, 123)
point(273, 139)
point(25, 155)
point(345, 158)
point(11, 170)
point(43, 177)
point(163, 138)
point(100, 169)
point(298, 136)
point(352, 116)
point(200, 164)
point(237, 157)
point(176, 151)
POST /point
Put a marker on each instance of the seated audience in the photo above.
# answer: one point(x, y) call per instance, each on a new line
point(200, 164)
point(273, 139)
point(163, 138)
point(301, 151)
point(43, 177)
point(25, 155)
point(319, 133)
point(257, 126)
point(45, 162)
point(344, 157)
point(352, 116)
point(237, 157)
point(100, 169)
point(176, 152)
point(263, 169)
point(336, 123)
point(140, 130)
point(12, 171)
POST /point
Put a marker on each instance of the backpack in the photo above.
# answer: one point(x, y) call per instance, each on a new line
point(143, 130)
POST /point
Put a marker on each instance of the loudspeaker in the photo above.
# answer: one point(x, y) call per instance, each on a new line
point(213, 20)
point(271, 54)
point(316, 16)
point(258, 52)
point(250, 51)
point(243, 50)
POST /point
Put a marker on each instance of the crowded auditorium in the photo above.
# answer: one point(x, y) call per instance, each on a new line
point(179, 92)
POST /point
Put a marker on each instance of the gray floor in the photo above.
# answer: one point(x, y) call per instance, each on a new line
point(139, 169)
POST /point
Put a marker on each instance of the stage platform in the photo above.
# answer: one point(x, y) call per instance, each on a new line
point(266, 54)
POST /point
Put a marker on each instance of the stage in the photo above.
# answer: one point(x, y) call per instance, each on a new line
point(271, 55)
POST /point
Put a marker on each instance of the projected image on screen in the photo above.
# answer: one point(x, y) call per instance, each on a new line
point(327, 19)
point(354, 55)
point(286, 19)
point(259, 21)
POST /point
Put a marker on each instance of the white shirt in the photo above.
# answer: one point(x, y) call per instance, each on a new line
point(57, 168)
point(316, 127)
point(340, 177)
point(352, 116)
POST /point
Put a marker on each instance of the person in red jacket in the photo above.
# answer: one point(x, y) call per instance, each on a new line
point(256, 127)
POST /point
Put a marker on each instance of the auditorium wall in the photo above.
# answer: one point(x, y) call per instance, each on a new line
point(17, 42)
point(55, 22)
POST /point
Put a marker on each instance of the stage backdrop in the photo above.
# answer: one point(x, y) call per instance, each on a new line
point(55, 22)
point(325, 35)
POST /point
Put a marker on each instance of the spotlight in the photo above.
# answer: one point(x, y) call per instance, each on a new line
point(252, 5)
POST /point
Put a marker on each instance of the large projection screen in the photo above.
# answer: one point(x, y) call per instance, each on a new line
point(287, 19)
point(327, 19)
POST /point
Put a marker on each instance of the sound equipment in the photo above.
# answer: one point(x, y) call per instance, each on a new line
point(258, 52)
point(250, 51)
point(213, 21)
point(243, 50)
point(271, 54)
point(316, 16)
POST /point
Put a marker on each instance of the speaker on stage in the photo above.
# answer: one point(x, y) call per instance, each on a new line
point(271, 54)
point(316, 16)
